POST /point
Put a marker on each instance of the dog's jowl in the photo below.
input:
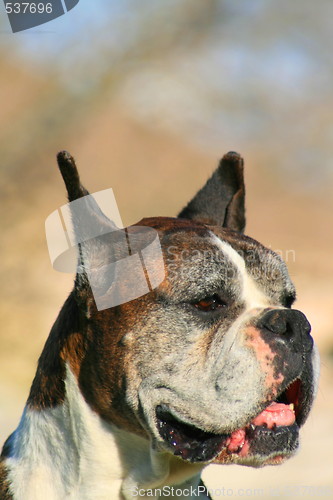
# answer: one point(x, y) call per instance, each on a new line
point(214, 365)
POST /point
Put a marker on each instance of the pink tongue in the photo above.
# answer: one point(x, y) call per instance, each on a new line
point(275, 414)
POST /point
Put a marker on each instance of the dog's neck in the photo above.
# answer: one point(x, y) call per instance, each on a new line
point(76, 455)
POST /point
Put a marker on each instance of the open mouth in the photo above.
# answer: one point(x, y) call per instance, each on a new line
point(270, 436)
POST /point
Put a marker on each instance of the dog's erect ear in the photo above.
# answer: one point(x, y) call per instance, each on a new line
point(221, 201)
point(93, 231)
point(70, 175)
point(87, 217)
point(113, 262)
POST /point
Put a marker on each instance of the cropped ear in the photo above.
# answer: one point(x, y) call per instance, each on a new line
point(87, 217)
point(115, 265)
point(93, 230)
point(221, 202)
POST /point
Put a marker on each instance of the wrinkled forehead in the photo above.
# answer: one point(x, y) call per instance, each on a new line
point(212, 258)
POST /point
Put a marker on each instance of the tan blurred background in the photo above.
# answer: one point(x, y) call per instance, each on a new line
point(148, 96)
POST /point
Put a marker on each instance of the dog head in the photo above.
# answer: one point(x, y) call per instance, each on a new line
point(214, 364)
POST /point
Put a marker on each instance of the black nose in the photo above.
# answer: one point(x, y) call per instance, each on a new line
point(289, 325)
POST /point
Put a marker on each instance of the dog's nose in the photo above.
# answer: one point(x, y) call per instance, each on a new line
point(290, 326)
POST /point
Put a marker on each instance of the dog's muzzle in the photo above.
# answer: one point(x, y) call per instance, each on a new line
point(271, 435)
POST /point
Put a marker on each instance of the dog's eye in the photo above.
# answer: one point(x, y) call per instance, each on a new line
point(211, 303)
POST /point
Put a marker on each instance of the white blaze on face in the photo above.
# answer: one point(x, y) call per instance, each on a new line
point(252, 296)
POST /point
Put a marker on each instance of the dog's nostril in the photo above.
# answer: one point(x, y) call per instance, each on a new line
point(275, 322)
point(289, 331)
point(288, 324)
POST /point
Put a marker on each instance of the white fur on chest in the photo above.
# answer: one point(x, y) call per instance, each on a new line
point(64, 453)
point(70, 453)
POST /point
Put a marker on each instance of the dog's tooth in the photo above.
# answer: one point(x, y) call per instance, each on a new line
point(292, 407)
point(252, 427)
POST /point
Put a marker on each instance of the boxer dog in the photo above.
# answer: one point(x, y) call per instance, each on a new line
point(211, 366)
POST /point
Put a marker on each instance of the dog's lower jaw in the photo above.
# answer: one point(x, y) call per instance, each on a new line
point(75, 455)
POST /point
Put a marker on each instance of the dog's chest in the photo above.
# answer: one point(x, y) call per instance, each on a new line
point(74, 455)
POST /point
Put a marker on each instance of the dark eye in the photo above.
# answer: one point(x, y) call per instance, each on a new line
point(208, 304)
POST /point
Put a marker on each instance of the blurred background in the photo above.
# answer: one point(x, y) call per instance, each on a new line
point(148, 96)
